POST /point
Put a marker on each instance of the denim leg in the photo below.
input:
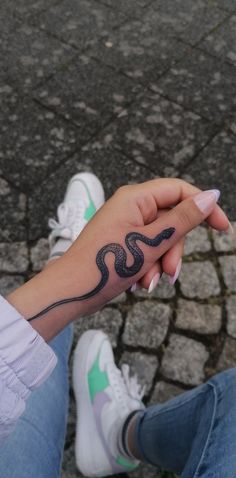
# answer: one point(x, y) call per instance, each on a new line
point(35, 448)
point(193, 435)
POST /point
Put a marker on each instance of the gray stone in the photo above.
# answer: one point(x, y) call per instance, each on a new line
point(25, 8)
point(145, 366)
point(163, 290)
point(147, 324)
point(164, 391)
point(184, 360)
point(120, 299)
point(140, 48)
point(32, 138)
point(201, 318)
point(217, 156)
point(228, 266)
point(108, 320)
point(39, 254)
point(190, 20)
point(228, 356)
point(202, 84)
point(221, 42)
point(159, 133)
point(231, 315)
point(197, 241)
point(9, 283)
point(225, 242)
point(199, 279)
point(146, 471)
point(87, 93)
point(81, 24)
point(13, 257)
point(69, 469)
point(12, 213)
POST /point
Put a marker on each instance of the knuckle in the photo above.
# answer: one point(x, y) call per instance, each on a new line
point(185, 218)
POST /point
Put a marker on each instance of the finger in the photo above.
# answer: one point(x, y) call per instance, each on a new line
point(172, 260)
point(168, 192)
point(166, 231)
point(151, 278)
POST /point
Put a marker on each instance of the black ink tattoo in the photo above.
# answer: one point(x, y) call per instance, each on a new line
point(121, 268)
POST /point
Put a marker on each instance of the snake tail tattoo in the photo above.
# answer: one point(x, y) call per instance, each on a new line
point(121, 267)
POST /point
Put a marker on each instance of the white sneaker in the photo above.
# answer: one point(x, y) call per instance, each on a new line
point(105, 397)
point(84, 196)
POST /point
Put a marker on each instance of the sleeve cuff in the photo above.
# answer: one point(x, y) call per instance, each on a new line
point(25, 358)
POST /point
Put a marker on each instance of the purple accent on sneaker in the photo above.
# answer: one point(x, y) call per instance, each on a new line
point(100, 400)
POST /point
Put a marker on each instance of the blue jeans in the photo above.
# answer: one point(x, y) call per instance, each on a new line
point(193, 435)
point(35, 448)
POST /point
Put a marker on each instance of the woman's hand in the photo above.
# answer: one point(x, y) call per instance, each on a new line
point(150, 203)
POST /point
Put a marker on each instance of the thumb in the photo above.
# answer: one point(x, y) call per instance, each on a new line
point(168, 229)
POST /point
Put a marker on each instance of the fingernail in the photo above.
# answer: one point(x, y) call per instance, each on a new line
point(134, 287)
point(154, 282)
point(206, 199)
point(230, 229)
point(173, 279)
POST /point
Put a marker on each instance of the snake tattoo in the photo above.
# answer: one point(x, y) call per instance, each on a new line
point(121, 268)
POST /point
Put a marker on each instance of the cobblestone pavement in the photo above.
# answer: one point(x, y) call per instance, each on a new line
point(130, 90)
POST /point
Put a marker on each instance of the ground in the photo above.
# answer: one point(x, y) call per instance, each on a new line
point(130, 90)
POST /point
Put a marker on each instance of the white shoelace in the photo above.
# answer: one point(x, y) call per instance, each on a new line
point(70, 217)
point(126, 388)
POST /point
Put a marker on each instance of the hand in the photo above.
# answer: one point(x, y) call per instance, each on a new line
point(146, 208)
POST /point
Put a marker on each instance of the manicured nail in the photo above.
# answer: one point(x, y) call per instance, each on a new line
point(154, 282)
point(134, 287)
point(173, 279)
point(230, 229)
point(206, 199)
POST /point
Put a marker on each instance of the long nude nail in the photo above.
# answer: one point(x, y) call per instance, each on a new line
point(206, 199)
point(230, 229)
point(134, 287)
point(173, 279)
point(154, 282)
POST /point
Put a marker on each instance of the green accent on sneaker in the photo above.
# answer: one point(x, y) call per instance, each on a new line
point(125, 463)
point(97, 379)
point(91, 209)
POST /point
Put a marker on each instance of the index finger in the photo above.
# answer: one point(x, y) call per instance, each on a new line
point(169, 192)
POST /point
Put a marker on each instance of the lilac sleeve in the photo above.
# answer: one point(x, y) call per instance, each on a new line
point(25, 362)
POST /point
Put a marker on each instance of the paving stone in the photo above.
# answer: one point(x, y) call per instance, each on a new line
point(231, 315)
point(13, 257)
point(163, 290)
point(146, 471)
point(190, 20)
point(197, 241)
point(81, 23)
point(71, 421)
point(217, 157)
point(147, 324)
point(184, 360)
point(228, 266)
point(201, 318)
point(69, 469)
point(201, 83)
point(145, 366)
point(199, 279)
point(159, 133)
point(139, 48)
point(12, 213)
point(228, 5)
point(99, 158)
point(225, 242)
point(164, 391)
point(29, 55)
point(25, 8)
point(228, 356)
point(39, 254)
point(87, 93)
point(32, 140)
point(108, 320)
point(221, 42)
point(8, 283)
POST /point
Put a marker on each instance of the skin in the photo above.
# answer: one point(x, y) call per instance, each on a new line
point(147, 209)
